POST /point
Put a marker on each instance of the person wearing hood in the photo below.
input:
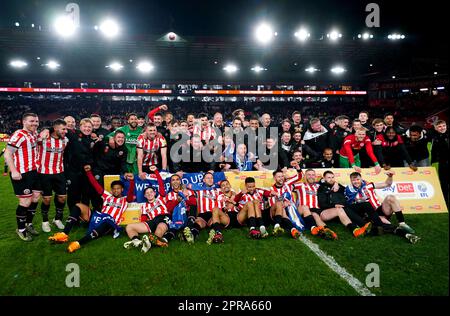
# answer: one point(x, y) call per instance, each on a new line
point(416, 143)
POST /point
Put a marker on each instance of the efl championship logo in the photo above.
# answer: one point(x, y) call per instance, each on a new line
point(423, 190)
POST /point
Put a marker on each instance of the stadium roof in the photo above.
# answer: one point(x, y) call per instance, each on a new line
point(214, 33)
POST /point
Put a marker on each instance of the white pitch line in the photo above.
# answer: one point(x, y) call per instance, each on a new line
point(333, 265)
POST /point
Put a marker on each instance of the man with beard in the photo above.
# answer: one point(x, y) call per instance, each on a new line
point(298, 144)
point(132, 132)
point(81, 153)
point(20, 155)
point(151, 151)
point(339, 132)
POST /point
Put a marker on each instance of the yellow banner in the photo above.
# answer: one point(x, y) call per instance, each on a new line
point(418, 192)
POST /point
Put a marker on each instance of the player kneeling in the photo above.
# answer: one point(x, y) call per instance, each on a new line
point(106, 221)
point(155, 210)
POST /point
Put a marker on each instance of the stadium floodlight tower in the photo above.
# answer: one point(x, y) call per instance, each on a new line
point(302, 34)
point(145, 67)
point(230, 68)
point(258, 68)
point(311, 69)
point(338, 70)
point(365, 36)
point(264, 33)
point(52, 65)
point(115, 66)
point(334, 35)
point(65, 26)
point(109, 28)
point(18, 63)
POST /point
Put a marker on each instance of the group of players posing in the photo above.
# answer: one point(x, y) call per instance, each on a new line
point(37, 168)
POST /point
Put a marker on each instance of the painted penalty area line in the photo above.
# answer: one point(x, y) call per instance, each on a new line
point(333, 265)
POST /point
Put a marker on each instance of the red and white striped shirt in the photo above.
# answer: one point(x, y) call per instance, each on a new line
point(155, 208)
point(287, 187)
point(51, 152)
point(307, 194)
point(258, 195)
point(207, 200)
point(25, 156)
point(223, 203)
point(206, 134)
point(114, 206)
point(172, 196)
point(368, 195)
point(151, 148)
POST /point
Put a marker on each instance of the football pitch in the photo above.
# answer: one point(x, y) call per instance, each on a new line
point(239, 266)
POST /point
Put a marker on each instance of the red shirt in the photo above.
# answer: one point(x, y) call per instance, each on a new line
point(114, 206)
point(51, 152)
point(151, 148)
point(307, 194)
point(287, 187)
point(352, 147)
point(25, 157)
point(157, 207)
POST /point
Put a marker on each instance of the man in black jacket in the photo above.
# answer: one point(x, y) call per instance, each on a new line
point(109, 158)
point(331, 198)
point(439, 154)
point(416, 143)
point(97, 130)
point(317, 136)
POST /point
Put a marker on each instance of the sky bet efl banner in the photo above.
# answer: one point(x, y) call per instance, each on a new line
point(418, 192)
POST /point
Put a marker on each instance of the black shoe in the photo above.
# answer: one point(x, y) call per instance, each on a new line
point(31, 230)
point(25, 236)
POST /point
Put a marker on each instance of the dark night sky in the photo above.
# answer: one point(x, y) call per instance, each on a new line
point(237, 18)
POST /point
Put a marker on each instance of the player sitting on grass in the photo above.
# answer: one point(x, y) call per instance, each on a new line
point(106, 221)
point(250, 204)
point(363, 200)
point(331, 201)
point(157, 219)
point(207, 200)
point(277, 204)
point(176, 194)
point(308, 206)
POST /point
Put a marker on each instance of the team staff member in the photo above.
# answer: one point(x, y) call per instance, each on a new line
point(109, 158)
point(81, 145)
point(20, 155)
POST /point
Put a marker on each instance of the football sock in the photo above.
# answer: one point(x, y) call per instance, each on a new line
point(75, 213)
point(309, 221)
point(59, 209)
point(21, 217)
point(286, 224)
point(252, 222)
point(277, 219)
point(31, 211)
point(44, 210)
point(400, 217)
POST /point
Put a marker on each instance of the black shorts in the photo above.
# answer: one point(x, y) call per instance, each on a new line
point(153, 224)
point(25, 186)
point(380, 212)
point(206, 217)
point(234, 220)
point(267, 218)
point(50, 183)
point(316, 210)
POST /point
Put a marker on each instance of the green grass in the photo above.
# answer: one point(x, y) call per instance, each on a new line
point(276, 266)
